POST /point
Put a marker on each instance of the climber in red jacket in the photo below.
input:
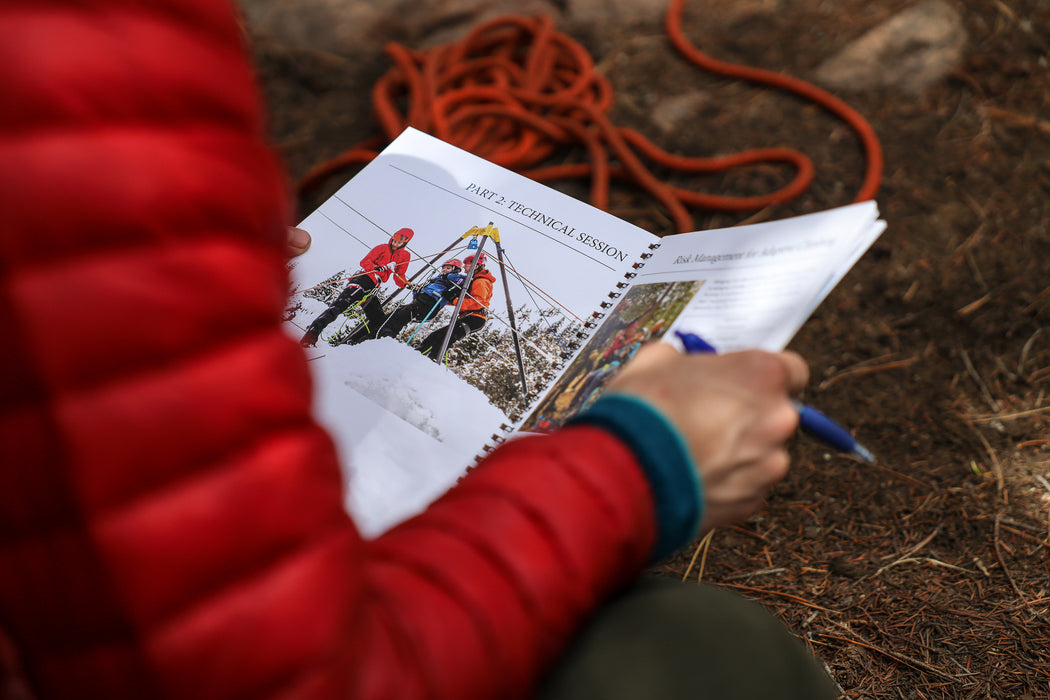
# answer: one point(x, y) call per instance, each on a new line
point(171, 516)
point(386, 259)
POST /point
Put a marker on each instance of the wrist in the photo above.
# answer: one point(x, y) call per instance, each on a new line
point(663, 456)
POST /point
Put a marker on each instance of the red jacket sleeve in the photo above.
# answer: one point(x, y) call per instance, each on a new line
point(171, 517)
point(378, 257)
point(401, 260)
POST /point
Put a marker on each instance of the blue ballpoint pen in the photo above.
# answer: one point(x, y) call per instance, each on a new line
point(810, 420)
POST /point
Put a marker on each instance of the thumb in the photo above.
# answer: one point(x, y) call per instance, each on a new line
point(298, 241)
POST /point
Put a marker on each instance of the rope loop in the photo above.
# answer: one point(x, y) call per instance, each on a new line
point(515, 91)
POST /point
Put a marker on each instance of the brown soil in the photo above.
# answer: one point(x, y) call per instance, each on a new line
point(925, 576)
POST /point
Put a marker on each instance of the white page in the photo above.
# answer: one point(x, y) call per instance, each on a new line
point(738, 288)
point(761, 282)
point(406, 427)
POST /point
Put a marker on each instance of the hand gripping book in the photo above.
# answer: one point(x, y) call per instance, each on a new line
point(420, 367)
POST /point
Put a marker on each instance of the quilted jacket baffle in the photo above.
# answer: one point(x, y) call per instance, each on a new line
point(171, 518)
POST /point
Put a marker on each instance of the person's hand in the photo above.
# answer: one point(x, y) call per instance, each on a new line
point(298, 241)
point(733, 411)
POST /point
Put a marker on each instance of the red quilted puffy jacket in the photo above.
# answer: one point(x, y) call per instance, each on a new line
point(377, 264)
point(171, 518)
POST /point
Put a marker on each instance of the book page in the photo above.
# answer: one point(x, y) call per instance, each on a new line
point(758, 284)
point(738, 288)
point(406, 426)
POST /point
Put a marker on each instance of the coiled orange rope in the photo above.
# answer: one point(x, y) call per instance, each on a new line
point(514, 91)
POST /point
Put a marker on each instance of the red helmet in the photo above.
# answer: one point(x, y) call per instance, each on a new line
point(470, 258)
point(402, 236)
point(454, 262)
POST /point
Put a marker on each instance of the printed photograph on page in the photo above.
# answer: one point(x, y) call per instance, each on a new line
point(646, 312)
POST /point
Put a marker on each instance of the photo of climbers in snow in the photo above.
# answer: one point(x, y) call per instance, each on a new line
point(446, 298)
point(447, 285)
point(645, 313)
point(382, 262)
point(442, 289)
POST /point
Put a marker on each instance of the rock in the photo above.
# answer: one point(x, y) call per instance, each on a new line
point(441, 21)
point(605, 25)
point(618, 13)
point(356, 28)
point(909, 51)
point(343, 27)
point(732, 16)
point(679, 111)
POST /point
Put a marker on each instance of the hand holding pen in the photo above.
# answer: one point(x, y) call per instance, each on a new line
point(732, 412)
point(811, 421)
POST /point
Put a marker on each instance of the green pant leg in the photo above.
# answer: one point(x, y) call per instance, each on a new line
point(666, 639)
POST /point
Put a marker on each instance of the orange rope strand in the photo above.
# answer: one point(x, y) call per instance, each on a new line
point(870, 142)
point(514, 91)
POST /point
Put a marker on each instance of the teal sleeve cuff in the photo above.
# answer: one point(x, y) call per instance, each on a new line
point(663, 456)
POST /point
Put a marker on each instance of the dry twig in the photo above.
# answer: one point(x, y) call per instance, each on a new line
point(911, 551)
point(704, 545)
point(766, 591)
point(896, 656)
point(862, 368)
point(996, 406)
point(1010, 416)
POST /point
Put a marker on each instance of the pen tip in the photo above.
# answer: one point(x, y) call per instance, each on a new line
point(863, 453)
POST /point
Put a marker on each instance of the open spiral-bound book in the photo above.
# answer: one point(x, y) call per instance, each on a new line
point(572, 293)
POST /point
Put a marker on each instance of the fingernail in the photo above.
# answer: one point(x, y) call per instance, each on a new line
point(298, 239)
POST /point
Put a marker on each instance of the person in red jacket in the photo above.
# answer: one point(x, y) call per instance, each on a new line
point(473, 313)
point(172, 520)
point(386, 259)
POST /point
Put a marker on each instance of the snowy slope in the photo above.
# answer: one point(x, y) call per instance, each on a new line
point(406, 428)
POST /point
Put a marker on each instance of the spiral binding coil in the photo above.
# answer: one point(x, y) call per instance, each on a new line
point(592, 322)
point(498, 439)
point(495, 440)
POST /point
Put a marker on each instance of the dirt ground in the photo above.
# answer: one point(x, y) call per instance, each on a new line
point(928, 575)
